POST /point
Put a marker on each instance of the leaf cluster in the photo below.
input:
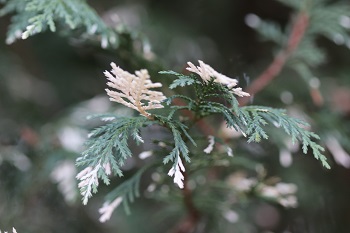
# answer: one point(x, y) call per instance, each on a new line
point(324, 19)
point(180, 134)
point(257, 117)
point(108, 144)
point(35, 16)
point(128, 190)
point(251, 121)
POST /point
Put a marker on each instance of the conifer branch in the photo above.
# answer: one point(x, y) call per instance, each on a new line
point(108, 146)
point(122, 194)
point(36, 16)
point(107, 151)
point(298, 29)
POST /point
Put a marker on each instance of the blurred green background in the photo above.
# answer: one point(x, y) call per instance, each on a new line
point(49, 83)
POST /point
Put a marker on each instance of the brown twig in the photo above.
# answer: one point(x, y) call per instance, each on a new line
point(189, 223)
point(298, 30)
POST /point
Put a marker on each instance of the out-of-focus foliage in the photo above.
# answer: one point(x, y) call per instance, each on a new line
point(320, 19)
point(35, 16)
point(49, 84)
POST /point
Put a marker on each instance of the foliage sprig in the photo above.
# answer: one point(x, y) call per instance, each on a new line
point(108, 147)
point(35, 16)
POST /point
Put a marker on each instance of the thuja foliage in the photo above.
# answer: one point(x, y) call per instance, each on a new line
point(31, 17)
point(213, 95)
point(311, 20)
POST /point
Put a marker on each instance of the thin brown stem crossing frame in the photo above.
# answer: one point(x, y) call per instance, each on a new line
point(299, 27)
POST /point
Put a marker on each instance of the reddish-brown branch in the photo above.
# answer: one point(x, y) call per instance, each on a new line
point(297, 33)
point(189, 223)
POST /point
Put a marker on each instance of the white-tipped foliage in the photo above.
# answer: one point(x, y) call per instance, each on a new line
point(210, 147)
point(107, 209)
point(134, 91)
point(88, 182)
point(214, 94)
point(206, 72)
point(176, 171)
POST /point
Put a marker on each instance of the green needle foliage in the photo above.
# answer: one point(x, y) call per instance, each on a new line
point(259, 116)
point(128, 190)
point(209, 95)
point(31, 17)
point(108, 145)
point(110, 139)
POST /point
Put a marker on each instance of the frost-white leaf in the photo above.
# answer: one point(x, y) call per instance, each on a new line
point(88, 180)
point(107, 209)
point(134, 91)
point(206, 72)
point(176, 172)
point(210, 147)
